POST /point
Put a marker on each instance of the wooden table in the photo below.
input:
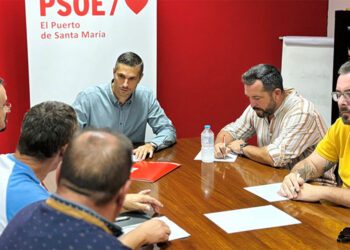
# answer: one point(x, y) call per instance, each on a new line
point(196, 188)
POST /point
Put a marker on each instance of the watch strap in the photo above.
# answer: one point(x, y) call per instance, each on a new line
point(243, 145)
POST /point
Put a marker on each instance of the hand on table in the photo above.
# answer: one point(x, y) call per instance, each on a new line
point(291, 186)
point(142, 201)
point(142, 151)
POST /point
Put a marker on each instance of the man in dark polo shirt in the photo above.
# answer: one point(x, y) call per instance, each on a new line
point(92, 184)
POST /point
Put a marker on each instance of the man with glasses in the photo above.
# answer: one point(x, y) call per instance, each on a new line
point(333, 148)
point(5, 106)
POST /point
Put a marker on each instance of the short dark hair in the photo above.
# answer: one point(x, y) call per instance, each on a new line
point(97, 164)
point(131, 59)
point(46, 128)
point(267, 74)
point(344, 69)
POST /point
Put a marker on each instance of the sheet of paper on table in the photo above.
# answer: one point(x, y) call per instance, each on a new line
point(268, 192)
point(239, 220)
point(176, 231)
point(229, 158)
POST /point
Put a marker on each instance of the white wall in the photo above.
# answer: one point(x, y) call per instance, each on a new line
point(307, 66)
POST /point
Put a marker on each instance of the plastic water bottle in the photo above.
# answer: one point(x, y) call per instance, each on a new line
point(207, 142)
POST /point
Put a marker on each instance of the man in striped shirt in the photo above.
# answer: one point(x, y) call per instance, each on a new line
point(288, 127)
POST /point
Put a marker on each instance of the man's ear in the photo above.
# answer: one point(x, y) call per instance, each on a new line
point(62, 150)
point(122, 193)
point(277, 93)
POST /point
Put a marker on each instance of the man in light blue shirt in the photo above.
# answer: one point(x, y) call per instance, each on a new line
point(126, 107)
point(45, 133)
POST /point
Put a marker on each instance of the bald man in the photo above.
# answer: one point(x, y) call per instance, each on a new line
point(92, 185)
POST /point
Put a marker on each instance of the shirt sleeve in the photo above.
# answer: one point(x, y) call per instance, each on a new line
point(21, 197)
point(300, 131)
point(162, 127)
point(243, 127)
point(82, 109)
point(327, 147)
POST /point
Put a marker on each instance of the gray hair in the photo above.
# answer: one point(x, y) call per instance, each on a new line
point(344, 69)
point(267, 74)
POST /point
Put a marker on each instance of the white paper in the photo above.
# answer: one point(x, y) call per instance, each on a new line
point(246, 219)
point(267, 192)
point(229, 158)
point(134, 159)
point(176, 231)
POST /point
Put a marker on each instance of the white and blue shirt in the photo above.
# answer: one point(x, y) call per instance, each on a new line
point(19, 187)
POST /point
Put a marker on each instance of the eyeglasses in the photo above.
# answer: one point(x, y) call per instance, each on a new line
point(7, 107)
point(336, 95)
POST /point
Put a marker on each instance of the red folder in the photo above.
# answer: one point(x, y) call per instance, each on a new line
point(151, 171)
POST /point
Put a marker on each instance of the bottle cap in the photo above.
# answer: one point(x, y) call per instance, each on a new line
point(206, 126)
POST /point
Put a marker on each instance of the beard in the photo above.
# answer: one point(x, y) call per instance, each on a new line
point(345, 115)
point(262, 113)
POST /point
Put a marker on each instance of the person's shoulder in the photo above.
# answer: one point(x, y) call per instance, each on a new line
point(144, 93)
point(27, 212)
point(143, 89)
point(93, 93)
point(96, 89)
point(30, 208)
point(87, 232)
point(340, 126)
point(296, 102)
point(6, 160)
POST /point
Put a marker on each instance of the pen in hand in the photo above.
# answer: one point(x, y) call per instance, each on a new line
point(297, 176)
point(223, 150)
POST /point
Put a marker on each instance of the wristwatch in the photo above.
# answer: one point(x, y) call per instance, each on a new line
point(241, 152)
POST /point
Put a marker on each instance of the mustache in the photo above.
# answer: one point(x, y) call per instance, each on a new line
point(258, 109)
point(344, 109)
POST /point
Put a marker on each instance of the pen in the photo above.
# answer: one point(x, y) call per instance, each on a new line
point(224, 142)
point(298, 176)
point(122, 218)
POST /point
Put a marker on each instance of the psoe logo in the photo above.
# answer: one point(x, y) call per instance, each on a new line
point(86, 7)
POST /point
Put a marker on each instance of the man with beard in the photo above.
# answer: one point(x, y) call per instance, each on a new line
point(288, 127)
point(5, 106)
point(333, 148)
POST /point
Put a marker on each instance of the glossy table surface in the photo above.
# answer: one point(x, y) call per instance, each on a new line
point(196, 188)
